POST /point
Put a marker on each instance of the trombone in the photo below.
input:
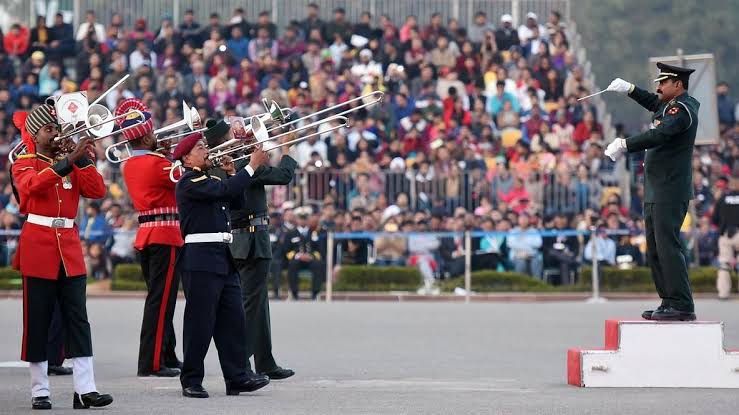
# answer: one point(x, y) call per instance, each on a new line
point(367, 100)
point(218, 157)
point(190, 118)
point(217, 151)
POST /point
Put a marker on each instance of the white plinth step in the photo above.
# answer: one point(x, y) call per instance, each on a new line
point(640, 354)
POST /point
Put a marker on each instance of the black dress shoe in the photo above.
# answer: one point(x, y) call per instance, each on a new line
point(279, 373)
point(163, 372)
point(672, 314)
point(59, 371)
point(196, 391)
point(175, 364)
point(93, 399)
point(251, 384)
point(647, 315)
point(41, 402)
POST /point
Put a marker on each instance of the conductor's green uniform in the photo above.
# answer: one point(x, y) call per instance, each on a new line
point(668, 188)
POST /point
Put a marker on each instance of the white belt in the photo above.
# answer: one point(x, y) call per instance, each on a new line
point(222, 237)
point(50, 222)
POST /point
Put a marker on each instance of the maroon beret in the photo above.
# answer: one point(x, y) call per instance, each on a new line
point(184, 146)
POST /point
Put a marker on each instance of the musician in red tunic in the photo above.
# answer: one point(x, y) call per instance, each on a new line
point(49, 254)
point(158, 240)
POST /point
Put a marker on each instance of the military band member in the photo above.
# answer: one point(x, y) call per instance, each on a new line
point(252, 251)
point(49, 191)
point(668, 183)
point(158, 240)
point(213, 309)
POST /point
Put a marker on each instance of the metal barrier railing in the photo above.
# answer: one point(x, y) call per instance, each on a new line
point(332, 237)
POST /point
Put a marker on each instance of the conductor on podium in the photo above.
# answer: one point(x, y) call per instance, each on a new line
point(668, 182)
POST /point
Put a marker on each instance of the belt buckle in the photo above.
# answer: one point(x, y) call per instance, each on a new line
point(58, 222)
point(251, 229)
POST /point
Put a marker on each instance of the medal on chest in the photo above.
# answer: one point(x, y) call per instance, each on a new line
point(66, 182)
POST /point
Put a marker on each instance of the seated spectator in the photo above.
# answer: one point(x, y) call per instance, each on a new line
point(361, 196)
point(443, 55)
point(94, 228)
point(562, 251)
point(492, 250)
point(391, 250)
point(452, 250)
point(122, 251)
point(305, 251)
point(496, 103)
point(16, 41)
point(628, 255)
point(524, 243)
point(605, 249)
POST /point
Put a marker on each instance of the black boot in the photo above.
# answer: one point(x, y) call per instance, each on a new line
point(647, 315)
point(93, 399)
point(196, 391)
point(163, 372)
point(59, 370)
point(279, 373)
point(252, 383)
point(41, 402)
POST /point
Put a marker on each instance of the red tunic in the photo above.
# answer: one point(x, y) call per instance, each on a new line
point(152, 193)
point(41, 248)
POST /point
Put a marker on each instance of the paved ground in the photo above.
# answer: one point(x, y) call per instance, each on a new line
point(384, 358)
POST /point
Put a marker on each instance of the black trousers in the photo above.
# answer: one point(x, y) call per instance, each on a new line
point(213, 310)
point(157, 340)
point(254, 273)
point(275, 269)
point(316, 268)
point(55, 345)
point(665, 253)
point(565, 261)
point(39, 299)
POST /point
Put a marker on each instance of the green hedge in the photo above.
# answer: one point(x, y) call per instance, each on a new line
point(384, 279)
point(370, 278)
point(8, 273)
point(128, 277)
point(492, 281)
point(702, 279)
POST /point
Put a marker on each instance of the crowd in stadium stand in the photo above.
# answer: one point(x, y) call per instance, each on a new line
point(480, 128)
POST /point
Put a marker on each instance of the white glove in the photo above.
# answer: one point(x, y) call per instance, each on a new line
point(614, 150)
point(620, 86)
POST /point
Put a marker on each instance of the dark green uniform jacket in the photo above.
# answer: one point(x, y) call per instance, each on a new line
point(255, 203)
point(669, 143)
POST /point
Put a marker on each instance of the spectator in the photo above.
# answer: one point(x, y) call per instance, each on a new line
point(62, 39)
point(16, 41)
point(290, 45)
point(526, 30)
point(442, 55)
point(524, 243)
point(605, 249)
point(94, 228)
point(725, 104)
point(338, 25)
point(506, 36)
point(585, 129)
point(90, 27)
point(264, 22)
point(263, 45)
point(190, 29)
point(496, 102)
point(561, 251)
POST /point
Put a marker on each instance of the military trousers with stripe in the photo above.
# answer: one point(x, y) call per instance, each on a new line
point(157, 342)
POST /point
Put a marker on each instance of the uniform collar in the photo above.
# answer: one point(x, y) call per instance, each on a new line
point(45, 158)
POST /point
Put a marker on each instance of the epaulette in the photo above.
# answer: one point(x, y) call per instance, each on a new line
point(154, 153)
point(199, 179)
point(26, 156)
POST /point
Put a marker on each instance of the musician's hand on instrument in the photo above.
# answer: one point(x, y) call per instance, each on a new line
point(287, 138)
point(258, 158)
point(83, 147)
point(227, 165)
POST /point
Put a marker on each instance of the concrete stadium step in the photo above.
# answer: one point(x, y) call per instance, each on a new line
point(642, 354)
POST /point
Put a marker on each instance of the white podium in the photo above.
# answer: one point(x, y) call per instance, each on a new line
point(644, 354)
